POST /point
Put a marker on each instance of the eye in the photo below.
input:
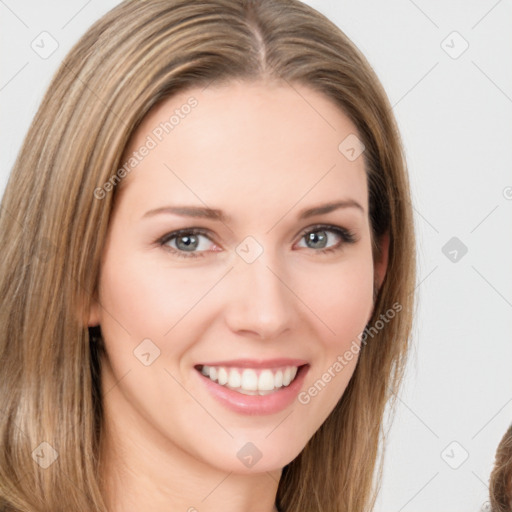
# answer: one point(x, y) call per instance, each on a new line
point(187, 243)
point(317, 237)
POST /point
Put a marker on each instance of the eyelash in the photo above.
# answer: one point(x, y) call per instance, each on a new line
point(347, 236)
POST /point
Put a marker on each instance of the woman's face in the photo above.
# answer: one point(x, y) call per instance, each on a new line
point(260, 280)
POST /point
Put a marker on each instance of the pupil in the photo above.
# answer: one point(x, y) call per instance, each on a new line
point(315, 238)
point(190, 242)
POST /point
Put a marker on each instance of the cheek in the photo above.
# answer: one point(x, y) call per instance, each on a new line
point(148, 299)
point(343, 301)
point(342, 298)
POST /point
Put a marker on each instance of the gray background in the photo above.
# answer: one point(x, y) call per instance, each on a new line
point(454, 110)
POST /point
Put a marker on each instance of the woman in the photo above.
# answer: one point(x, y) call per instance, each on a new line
point(170, 338)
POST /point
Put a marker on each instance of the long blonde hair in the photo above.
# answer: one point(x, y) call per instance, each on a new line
point(52, 231)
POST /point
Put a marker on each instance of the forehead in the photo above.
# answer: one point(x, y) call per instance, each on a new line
point(271, 142)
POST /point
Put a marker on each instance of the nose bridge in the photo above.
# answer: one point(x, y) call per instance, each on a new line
point(261, 302)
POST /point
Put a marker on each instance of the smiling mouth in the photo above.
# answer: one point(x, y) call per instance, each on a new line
point(251, 381)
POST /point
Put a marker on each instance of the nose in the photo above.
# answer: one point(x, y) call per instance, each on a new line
point(261, 302)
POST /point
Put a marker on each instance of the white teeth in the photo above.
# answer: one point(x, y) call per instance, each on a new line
point(247, 380)
point(266, 381)
point(234, 381)
point(223, 376)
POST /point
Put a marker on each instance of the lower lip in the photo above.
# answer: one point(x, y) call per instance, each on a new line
point(256, 404)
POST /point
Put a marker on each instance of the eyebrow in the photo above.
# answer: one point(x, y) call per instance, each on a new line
point(219, 215)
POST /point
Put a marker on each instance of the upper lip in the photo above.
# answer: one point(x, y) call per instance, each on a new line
point(257, 363)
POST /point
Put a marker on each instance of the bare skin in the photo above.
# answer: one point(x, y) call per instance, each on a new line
point(260, 153)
